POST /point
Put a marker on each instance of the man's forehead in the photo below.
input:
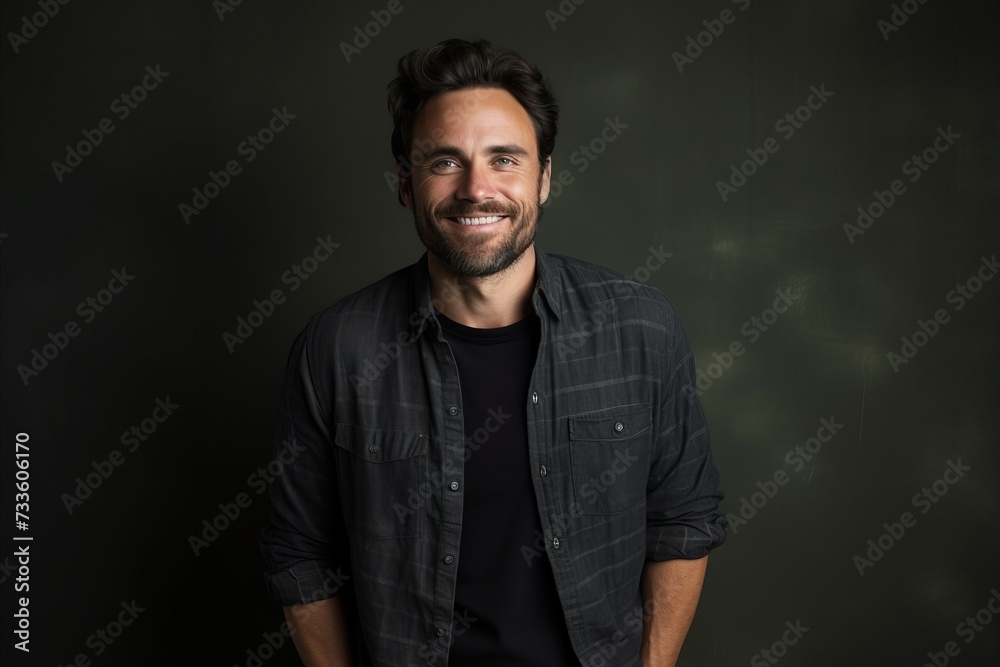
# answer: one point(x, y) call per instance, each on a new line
point(490, 117)
point(488, 109)
point(471, 98)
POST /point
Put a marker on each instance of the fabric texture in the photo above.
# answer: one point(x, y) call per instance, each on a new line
point(515, 617)
point(372, 505)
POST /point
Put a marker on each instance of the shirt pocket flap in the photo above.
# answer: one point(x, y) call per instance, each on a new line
point(379, 445)
point(618, 423)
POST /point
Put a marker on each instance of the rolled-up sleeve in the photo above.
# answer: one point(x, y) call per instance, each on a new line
point(683, 492)
point(304, 544)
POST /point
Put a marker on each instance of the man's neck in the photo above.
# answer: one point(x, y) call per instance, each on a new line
point(486, 302)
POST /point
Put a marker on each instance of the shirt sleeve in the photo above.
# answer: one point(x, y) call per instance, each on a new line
point(683, 492)
point(304, 544)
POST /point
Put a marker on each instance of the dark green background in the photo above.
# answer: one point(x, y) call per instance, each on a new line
point(655, 185)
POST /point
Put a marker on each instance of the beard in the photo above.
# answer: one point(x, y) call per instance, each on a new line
point(478, 254)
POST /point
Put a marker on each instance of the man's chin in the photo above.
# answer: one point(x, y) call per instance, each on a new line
point(482, 266)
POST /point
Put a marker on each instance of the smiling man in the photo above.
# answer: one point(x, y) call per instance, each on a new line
point(484, 178)
point(501, 466)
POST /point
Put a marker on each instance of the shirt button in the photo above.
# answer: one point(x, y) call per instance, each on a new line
point(555, 542)
point(534, 397)
point(373, 448)
point(440, 632)
point(453, 410)
point(454, 486)
point(543, 472)
point(619, 427)
point(448, 560)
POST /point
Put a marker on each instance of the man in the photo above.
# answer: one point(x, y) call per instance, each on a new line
point(500, 458)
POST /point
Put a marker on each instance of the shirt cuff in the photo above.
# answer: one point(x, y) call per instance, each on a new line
point(688, 537)
point(305, 582)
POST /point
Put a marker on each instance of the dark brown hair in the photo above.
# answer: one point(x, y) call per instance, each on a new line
point(455, 64)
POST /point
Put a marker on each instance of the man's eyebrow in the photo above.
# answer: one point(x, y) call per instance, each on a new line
point(511, 149)
point(507, 149)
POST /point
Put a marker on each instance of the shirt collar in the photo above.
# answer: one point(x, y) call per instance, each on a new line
point(547, 284)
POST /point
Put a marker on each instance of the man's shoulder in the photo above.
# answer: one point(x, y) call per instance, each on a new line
point(589, 284)
point(380, 303)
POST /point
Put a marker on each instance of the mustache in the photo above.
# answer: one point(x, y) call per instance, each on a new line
point(469, 211)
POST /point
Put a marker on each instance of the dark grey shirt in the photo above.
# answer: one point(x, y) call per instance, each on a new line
point(371, 505)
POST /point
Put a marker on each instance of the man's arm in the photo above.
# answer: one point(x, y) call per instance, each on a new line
point(320, 632)
point(670, 593)
point(305, 544)
point(683, 523)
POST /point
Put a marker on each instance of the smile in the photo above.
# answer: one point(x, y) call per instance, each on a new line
point(485, 220)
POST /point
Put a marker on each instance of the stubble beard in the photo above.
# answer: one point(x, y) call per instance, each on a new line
point(473, 256)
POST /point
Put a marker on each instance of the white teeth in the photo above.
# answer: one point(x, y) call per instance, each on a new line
point(480, 221)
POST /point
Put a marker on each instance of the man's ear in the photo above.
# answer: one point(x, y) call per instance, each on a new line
point(546, 179)
point(405, 186)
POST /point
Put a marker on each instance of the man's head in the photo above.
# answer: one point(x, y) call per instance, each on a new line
point(475, 126)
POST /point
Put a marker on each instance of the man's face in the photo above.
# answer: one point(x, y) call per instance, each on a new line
point(477, 184)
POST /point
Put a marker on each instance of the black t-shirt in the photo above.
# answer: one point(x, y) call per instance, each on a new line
point(519, 620)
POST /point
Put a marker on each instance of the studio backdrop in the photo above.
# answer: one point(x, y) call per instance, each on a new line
point(814, 185)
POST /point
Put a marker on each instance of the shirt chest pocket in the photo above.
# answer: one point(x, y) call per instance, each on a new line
point(378, 472)
point(609, 452)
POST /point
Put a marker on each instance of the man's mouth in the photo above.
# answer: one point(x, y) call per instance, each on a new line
point(477, 220)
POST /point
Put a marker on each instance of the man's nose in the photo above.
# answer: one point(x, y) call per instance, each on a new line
point(477, 183)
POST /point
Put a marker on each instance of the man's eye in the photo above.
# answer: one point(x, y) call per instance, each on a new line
point(506, 161)
point(444, 165)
